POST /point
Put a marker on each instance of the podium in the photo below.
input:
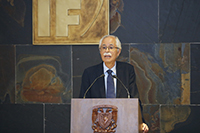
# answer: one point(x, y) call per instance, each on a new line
point(128, 119)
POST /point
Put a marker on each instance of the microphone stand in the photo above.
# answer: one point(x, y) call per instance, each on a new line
point(92, 85)
point(114, 76)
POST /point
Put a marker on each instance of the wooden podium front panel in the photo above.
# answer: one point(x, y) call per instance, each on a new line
point(81, 114)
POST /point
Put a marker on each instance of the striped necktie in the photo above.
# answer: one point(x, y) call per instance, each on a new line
point(110, 85)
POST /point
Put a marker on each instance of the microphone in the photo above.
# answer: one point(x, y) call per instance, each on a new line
point(114, 76)
point(102, 75)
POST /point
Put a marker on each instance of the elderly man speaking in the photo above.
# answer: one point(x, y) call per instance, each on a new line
point(103, 73)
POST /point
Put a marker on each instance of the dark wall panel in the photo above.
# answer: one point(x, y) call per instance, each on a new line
point(16, 22)
point(195, 74)
point(179, 21)
point(57, 118)
point(138, 22)
point(19, 118)
point(7, 74)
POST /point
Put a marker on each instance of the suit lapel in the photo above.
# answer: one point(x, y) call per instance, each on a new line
point(101, 81)
point(119, 74)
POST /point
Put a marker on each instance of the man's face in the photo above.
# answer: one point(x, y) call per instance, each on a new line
point(109, 51)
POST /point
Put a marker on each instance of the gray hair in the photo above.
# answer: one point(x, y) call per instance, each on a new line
point(118, 43)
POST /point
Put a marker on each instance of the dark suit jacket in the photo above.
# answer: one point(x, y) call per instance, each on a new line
point(125, 72)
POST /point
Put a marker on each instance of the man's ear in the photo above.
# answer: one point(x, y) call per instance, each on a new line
point(119, 51)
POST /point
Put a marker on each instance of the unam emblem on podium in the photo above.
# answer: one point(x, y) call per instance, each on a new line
point(104, 118)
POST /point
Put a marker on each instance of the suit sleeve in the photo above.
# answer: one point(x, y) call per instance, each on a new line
point(134, 90)
point(84, 84)
point(132, 84)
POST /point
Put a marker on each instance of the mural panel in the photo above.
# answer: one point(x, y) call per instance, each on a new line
point(172, 115)
point(163, 75)
point(191, 124)
point(151, 115)
point(43, 74)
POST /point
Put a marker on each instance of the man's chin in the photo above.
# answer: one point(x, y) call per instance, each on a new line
point(108, 61)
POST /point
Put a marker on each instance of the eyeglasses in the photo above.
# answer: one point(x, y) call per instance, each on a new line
point(109, 48)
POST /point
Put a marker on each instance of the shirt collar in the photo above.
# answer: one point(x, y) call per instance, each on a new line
point(105, 68)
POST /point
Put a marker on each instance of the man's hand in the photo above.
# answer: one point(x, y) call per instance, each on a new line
point(145, 128)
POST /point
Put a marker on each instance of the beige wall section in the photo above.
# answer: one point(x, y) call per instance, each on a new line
point(43, 18)
point(63, 19)
point(70, 22)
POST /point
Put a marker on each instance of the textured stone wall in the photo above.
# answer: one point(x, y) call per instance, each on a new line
point(160, 38)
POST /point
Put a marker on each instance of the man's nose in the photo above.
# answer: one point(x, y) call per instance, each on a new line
point(107, 49)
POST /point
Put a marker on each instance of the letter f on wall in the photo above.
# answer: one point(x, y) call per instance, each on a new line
point(63, 19)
